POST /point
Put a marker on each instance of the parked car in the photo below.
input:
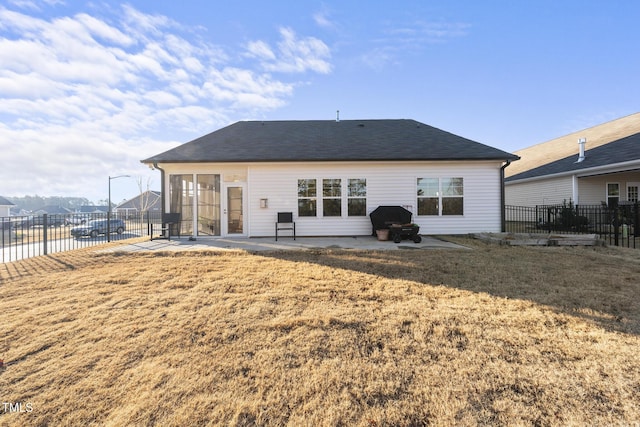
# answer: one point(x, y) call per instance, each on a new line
point(52, 220)
point(77, 219)
point(37, 220)
point(98, 226)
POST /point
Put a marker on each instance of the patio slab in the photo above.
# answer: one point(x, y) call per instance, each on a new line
point(269, 244)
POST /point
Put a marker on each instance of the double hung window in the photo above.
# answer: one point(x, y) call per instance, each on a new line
point(357, 197)
point(307, 197)
point(336, 194)
point(440, 196)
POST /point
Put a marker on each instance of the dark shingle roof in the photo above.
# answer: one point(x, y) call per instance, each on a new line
point(328, 140)
point(622, 150)
point(149, 198)
point(5, 202)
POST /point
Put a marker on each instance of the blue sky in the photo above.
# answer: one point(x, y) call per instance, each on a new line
point(88, 89)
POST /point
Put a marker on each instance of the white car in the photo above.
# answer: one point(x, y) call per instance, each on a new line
point(77, 219)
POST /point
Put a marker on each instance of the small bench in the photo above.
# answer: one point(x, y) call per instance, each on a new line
point(169, 220)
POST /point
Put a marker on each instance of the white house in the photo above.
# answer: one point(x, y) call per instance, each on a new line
point(331, 175)
point(5, 207)
point(599, 165)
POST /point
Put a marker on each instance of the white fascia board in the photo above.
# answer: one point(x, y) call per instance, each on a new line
point(580, 173)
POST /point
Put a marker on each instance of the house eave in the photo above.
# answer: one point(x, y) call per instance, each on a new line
point(582, 173)
point(327, 160)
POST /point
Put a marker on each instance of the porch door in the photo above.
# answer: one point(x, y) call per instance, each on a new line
point(234, 211)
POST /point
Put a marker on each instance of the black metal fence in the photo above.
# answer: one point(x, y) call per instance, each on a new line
point(618, 225)
point(34, 235)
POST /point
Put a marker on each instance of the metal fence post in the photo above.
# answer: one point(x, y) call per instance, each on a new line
point(616, 223)
point(45, 228)
point(636, 222)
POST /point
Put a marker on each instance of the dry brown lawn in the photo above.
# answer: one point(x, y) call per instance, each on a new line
point(488, 336)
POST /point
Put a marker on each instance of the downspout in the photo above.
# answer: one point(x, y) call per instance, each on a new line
point(162, 191)
point(503, 224)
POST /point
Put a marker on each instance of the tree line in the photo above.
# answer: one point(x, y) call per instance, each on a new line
point(32, 203)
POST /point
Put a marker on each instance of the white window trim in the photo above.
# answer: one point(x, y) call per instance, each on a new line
point(344, 197)
point(632, 184)
point(606, 189)
point(440, 195)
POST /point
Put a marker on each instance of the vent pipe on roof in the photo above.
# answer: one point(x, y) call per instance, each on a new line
point(581, 143)
point(337, 116)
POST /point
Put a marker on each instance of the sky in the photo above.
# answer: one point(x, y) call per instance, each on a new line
point(90, 88)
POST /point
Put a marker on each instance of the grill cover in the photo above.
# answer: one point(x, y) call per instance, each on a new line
point(383, 216)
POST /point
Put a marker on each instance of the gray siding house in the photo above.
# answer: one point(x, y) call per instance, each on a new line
point(603, 168)
point(331, 175)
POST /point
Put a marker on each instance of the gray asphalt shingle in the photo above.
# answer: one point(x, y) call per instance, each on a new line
point(622, 150)
point(328, 140)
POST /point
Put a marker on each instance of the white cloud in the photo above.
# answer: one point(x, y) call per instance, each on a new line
point(89, 95)
point(261, 50)
point(293, 55)
point(414, 37)
point(322, 19)
point(422, 33)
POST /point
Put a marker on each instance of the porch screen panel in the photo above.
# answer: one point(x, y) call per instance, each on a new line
point(181, 200)
point(208, 192)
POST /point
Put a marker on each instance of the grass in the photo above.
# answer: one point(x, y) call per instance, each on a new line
point(491, 336)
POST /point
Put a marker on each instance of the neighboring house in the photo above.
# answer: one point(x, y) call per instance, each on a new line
point(331, 175)
point(5, 207)
point(148, 201)
point(93, 209)
point(602, 169)
point(52, 210)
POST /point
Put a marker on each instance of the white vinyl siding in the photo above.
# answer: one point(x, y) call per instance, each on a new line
point(593, 190)
point(540, 192)
point(387, 184)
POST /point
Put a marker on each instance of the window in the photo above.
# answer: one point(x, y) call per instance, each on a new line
point(335, 195)
point(181, 193)
point(452, 193)
point(440, 196)
point(613, 194)
point(357, 197)
point(208, 194)
point(632, 191)
point(307, 194)
point(428, 196)
point(331, 197)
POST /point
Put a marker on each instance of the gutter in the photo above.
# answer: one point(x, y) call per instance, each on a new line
point(503, 223)
point(162, 198)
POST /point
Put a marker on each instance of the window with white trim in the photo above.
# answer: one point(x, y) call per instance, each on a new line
point(440, 196)
point(632, 191)
point(338, 197)
point(613, 194)
point(307, 197)
point(357, 197)
point(332, 197)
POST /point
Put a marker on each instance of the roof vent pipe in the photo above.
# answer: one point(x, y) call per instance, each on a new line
point(581, 143)
point(337, 116)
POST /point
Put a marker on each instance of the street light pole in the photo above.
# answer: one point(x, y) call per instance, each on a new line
point(109, 206)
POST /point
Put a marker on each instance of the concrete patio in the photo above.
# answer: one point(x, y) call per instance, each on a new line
point(283, 244)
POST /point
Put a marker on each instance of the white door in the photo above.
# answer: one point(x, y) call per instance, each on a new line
point(234, 216)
